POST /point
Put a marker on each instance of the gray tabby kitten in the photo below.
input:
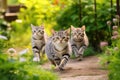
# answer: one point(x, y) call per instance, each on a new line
point(58, 49)
point(38, 41)
point(79, 41)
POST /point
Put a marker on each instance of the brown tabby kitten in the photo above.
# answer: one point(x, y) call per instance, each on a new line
point(58, 49)
point(38, 41)
point(79, 41)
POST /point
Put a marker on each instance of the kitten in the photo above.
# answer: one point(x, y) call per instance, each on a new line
point(38, 42)
point(58, 49)
point(79, 41)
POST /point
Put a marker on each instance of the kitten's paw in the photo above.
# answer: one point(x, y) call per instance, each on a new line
point(80, 58)
point(60, 68)
point(36, 59)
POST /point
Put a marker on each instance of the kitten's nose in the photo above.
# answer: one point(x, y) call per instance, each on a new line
point(35, 34)
point(61, 41)
point(77, 36)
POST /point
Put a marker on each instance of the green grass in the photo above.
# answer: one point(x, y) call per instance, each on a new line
point(23, 70)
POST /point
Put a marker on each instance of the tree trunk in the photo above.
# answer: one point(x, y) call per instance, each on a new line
point(118, 7)
point(80, 12)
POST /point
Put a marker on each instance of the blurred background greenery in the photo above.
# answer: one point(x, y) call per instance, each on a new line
point(58, 14)
point(17, 15)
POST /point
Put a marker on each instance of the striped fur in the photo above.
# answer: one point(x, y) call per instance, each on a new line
point(57, 49)
point(38, 41)
point(79, 41)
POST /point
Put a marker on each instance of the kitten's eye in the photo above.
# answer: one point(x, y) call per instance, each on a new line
point(53, 38)
point(34, 31)
point(79, 33)
point(38, 30)
point(42, 31)
point(82, 35)
point(68, 37)
point(57, 37)
point(63, 37)
point(74, 33)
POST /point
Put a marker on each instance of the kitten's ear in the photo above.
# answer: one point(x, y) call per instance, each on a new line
point(32, 26)
point(67, 31)
point(83, 27)
point(42, 26)
point(72, 27)
point(53, 31)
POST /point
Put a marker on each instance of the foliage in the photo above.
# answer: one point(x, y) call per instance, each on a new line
point(114, 66)
point(23, 71)
point(111, 56)
point(72, 18)
point(97, 30)
point(4, 27)
point(106, 57)
point(3, 44)
point(89, 51)
point(12, 2)
point(37, 12)
point(4, 33)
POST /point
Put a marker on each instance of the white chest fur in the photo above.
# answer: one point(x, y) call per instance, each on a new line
point(38, 43)
point(60, 47)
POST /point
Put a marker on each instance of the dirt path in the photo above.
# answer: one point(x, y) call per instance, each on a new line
point(88, 69)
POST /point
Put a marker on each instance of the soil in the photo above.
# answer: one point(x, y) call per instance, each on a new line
point(87, 69)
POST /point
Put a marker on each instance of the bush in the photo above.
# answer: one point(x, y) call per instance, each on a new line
point(111, 56)
point(3, 45)
point(37, 12)
point(4, 33)
point(4, 27)
point(89, 51)
point(23, 71)
point(97, 30)
point(114, 66)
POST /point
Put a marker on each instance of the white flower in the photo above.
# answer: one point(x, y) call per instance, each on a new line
point(115, 33)
point(36, 59)
point(19, 21)
point(11, 52)
point(108, 23)
point(114, 37)
point(3, 37)
point(116, 48)
point(22, 59)
point(115, 20)
point(103, 44)
point(23, 51)
point(115, 27)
